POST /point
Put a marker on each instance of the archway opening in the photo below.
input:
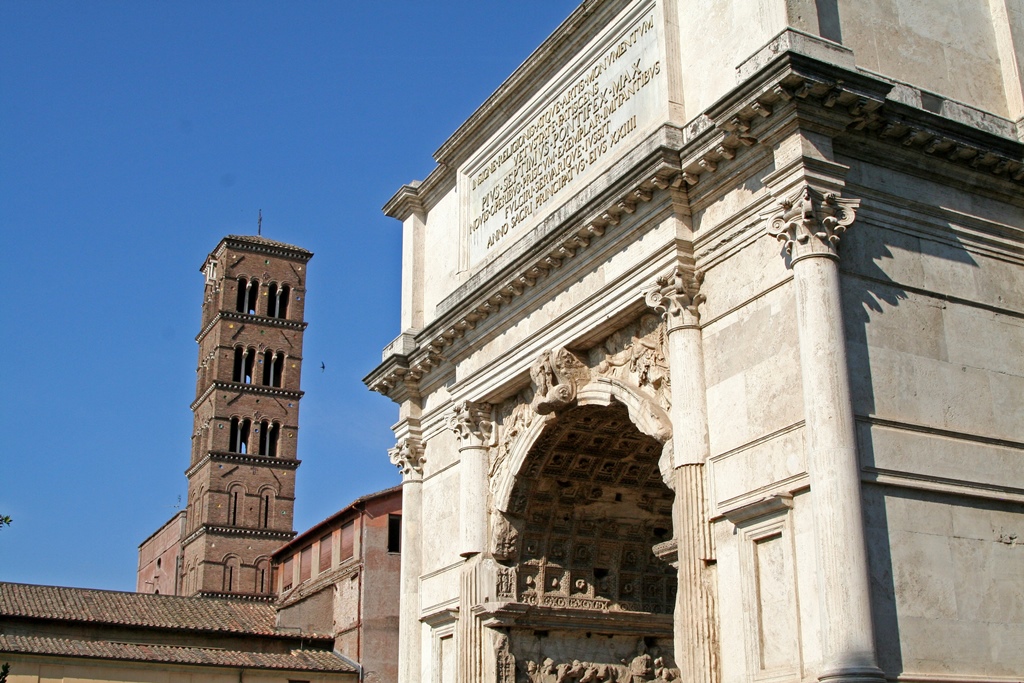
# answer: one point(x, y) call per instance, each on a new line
point(589, 507)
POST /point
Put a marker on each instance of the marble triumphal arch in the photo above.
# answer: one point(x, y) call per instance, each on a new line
point(708, 367)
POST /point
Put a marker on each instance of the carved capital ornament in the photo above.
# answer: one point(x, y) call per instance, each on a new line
point(677, 297)
point(473, 424)
point(407, 456)
point(810, 222)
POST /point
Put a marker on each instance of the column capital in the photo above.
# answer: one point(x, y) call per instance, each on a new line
point(407, 456)
point(677, 297)
point(473, 424)
point(809, 222)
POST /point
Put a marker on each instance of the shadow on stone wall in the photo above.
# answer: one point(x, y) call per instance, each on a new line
point(868, 294)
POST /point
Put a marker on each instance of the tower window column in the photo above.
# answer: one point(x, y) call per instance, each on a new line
point(239, 441)
point(248, 294)
point(273, 366)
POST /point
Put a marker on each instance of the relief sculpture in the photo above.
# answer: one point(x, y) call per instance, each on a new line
point(645, 665)
point(636, 354)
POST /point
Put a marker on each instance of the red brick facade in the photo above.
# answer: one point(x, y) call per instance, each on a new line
point(241, 476)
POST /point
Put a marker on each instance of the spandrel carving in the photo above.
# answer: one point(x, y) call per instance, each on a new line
point(636, 355)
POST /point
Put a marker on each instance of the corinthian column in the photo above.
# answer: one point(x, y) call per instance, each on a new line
point(473, 424)
point(809, 222)
point(677, 296)
point(408, 457)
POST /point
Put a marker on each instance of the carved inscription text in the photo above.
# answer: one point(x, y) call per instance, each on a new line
point(570, 135)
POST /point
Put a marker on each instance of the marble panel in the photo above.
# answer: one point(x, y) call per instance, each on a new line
point(939, 457)
point(756, 468)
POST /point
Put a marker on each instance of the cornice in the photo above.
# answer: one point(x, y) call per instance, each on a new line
point(218, 385)
point(558, 48)
point(254, 319)
point(405, 202)
point(261, 246)
point(484, 298)
point(243, 459)
point(251, 597)
point(237, 531)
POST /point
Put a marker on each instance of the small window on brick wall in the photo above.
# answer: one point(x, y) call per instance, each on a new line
point(305, 564)
point(288, 574)
point(242, 370)
point(325, 553)
point(347, 539)
point(394, 533)
point(266, 498)
point(273, 368)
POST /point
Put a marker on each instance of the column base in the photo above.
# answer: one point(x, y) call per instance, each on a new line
point(853, 674)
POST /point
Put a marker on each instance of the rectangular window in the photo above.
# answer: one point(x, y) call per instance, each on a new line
point(325, 553)
point(286, 580)
point(305, 563)
point(347, 541)
point(394, 533)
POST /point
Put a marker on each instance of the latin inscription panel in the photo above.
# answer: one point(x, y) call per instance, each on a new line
point(596, 109)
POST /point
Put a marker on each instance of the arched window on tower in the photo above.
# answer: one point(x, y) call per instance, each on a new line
point(269, 434)
point(248, 295)
point(236, 504)
point(266, 508)
point(230, 574)
point(243, 367)
point(273, 365)
point(273, 302)
point(242, 302)
point(262, 576)
point(277, 300)
point(240, 435)
point(282, 307)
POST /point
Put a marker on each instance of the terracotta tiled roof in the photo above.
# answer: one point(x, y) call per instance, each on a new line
point(298, 660)
point(138, 609)
point(257, 239)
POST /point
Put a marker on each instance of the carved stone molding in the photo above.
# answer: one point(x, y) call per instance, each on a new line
point(556, 376)
point(809, 222)
point(407, 456)
point(677, 297)
point(473, 424)
point(407, 370)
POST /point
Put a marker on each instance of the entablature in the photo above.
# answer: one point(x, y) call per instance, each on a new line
point(790, 91)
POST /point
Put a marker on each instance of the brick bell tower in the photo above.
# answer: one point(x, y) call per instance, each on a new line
point(241, 479)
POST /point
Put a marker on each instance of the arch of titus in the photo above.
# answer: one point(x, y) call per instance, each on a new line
point(711, 362)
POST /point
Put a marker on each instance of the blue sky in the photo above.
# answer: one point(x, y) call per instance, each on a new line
point(133, 136)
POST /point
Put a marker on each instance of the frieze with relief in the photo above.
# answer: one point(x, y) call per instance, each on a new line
point(525, 659)
point(635, 354)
